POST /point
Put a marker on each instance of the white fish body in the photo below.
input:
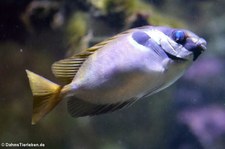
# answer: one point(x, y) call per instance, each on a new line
point(119, 71)
point(113, 74)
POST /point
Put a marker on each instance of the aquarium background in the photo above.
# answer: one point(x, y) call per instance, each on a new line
point(188, 115)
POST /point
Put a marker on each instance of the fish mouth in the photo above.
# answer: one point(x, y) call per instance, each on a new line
point(201, 44)
point(200, 47)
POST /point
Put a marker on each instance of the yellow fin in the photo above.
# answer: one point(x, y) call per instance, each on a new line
point(45, 95)
point(66, 69)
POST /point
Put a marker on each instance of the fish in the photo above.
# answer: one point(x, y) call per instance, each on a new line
point(117, 72)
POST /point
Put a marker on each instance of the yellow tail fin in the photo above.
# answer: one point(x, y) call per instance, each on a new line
point(45, 94)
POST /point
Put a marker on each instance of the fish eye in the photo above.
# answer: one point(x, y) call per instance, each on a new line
point(179, 36)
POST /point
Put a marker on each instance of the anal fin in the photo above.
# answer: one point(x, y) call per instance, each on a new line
point(78, 108)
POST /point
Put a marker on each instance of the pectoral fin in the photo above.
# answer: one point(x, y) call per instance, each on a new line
point(79, 108)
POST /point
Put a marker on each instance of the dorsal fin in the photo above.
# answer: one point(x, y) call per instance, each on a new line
point(66, 69)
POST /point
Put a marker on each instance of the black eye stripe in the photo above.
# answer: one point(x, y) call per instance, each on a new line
point(140, 37)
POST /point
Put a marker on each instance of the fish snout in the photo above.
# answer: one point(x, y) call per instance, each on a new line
point(200, 46)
